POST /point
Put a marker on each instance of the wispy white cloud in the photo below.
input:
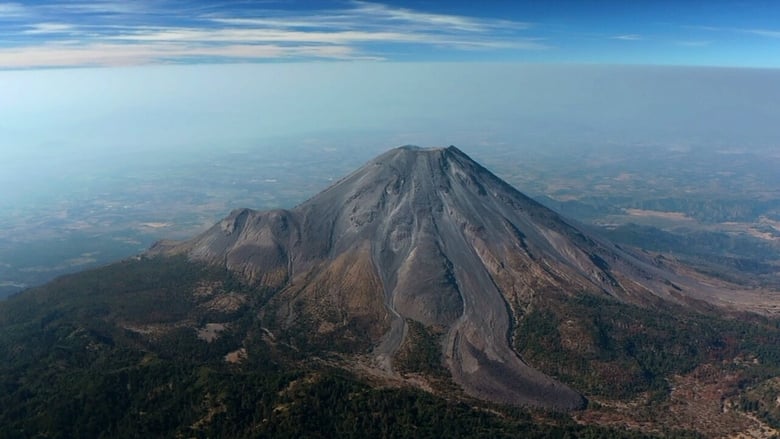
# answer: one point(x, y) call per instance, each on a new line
point(102, 54)
point(694, 43)
point(12, 10)
point(374, 22)
point(441, 21)
point(764, 32)
point(628, 37)
point(105, 7)
point(350, 37)
point(284, 23)
point(120, 33)
point(48, 28)
point(261, 35)
point(769, 33)
point(368, 15)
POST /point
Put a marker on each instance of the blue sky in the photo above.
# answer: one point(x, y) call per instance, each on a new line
point(57, 33)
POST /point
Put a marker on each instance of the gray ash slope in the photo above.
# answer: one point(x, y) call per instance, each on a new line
point(432, 236)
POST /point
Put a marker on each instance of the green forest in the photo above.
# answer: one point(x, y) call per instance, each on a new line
point(76, 365)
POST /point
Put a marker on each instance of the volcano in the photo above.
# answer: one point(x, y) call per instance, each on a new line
point(430, 236)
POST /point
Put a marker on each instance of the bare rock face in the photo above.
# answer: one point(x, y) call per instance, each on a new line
point(432, 236)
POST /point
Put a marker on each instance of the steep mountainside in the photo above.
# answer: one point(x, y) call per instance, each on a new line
point(430, 236)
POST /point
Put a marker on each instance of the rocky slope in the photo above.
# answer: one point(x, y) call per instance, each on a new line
point(431, 236)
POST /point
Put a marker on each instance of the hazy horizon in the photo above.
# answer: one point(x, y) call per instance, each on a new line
point(63, 124)
point(192, 105)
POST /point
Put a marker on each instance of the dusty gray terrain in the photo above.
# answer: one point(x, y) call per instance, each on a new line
point(432, 236)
